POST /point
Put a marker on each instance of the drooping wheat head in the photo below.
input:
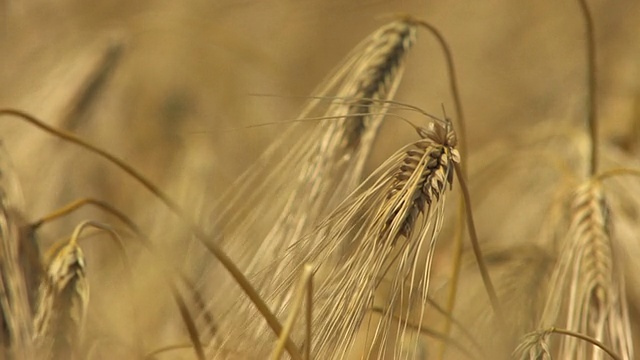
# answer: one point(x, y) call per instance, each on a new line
point(323, 166)
point(62, 302)
point(371, 245)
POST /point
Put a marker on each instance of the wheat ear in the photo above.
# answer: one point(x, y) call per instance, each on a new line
point(322, 167)
point(324, 164)
point(377, 235)
point(15, 311)
point(167, 271)
point(63, 300)
point(586, 284)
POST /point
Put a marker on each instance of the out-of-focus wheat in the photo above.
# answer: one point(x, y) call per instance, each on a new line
point(16, 326)
point(534, 346)
point(63, 300)
point(587, 285)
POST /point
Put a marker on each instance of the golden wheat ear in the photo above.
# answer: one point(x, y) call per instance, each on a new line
point(323, 164)
point(166, 271)
point(369, 250)
point(63, 300)
point(587, 285)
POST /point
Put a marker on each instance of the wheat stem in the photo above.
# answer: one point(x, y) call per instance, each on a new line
point(305, 279)
point(539, 340)
point(77, 204)
point(151, 355)
point(588, 339)
point(486, 279)
point(309, 321)
point(453, 85)
point(592, 102)
point(190, 325)
point(616, 172)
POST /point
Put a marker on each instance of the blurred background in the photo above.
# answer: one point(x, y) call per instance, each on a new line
point(175, 88)
point(172, 88)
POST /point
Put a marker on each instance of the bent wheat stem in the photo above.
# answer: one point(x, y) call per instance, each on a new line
point(477, 251)
point(152, 355)
point(190, 324)
point(535, 346)
point(616, 172)
point(77, 204)
point(588, 339)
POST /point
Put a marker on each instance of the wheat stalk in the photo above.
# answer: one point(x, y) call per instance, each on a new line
point(536, 345)
point(401, 214)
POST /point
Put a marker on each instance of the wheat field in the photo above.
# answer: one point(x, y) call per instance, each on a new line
point(319, 180)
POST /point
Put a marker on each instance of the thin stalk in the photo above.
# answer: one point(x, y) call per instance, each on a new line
point(453, 84)
point(456, 266)
point(307, 350)
point(588, 339)
point(592, 103)
point(152, 355)
point(484, 272)
point(77, 204)
point(194, 336)
point(305, 279)
point(617, 172)
point(462, 129)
